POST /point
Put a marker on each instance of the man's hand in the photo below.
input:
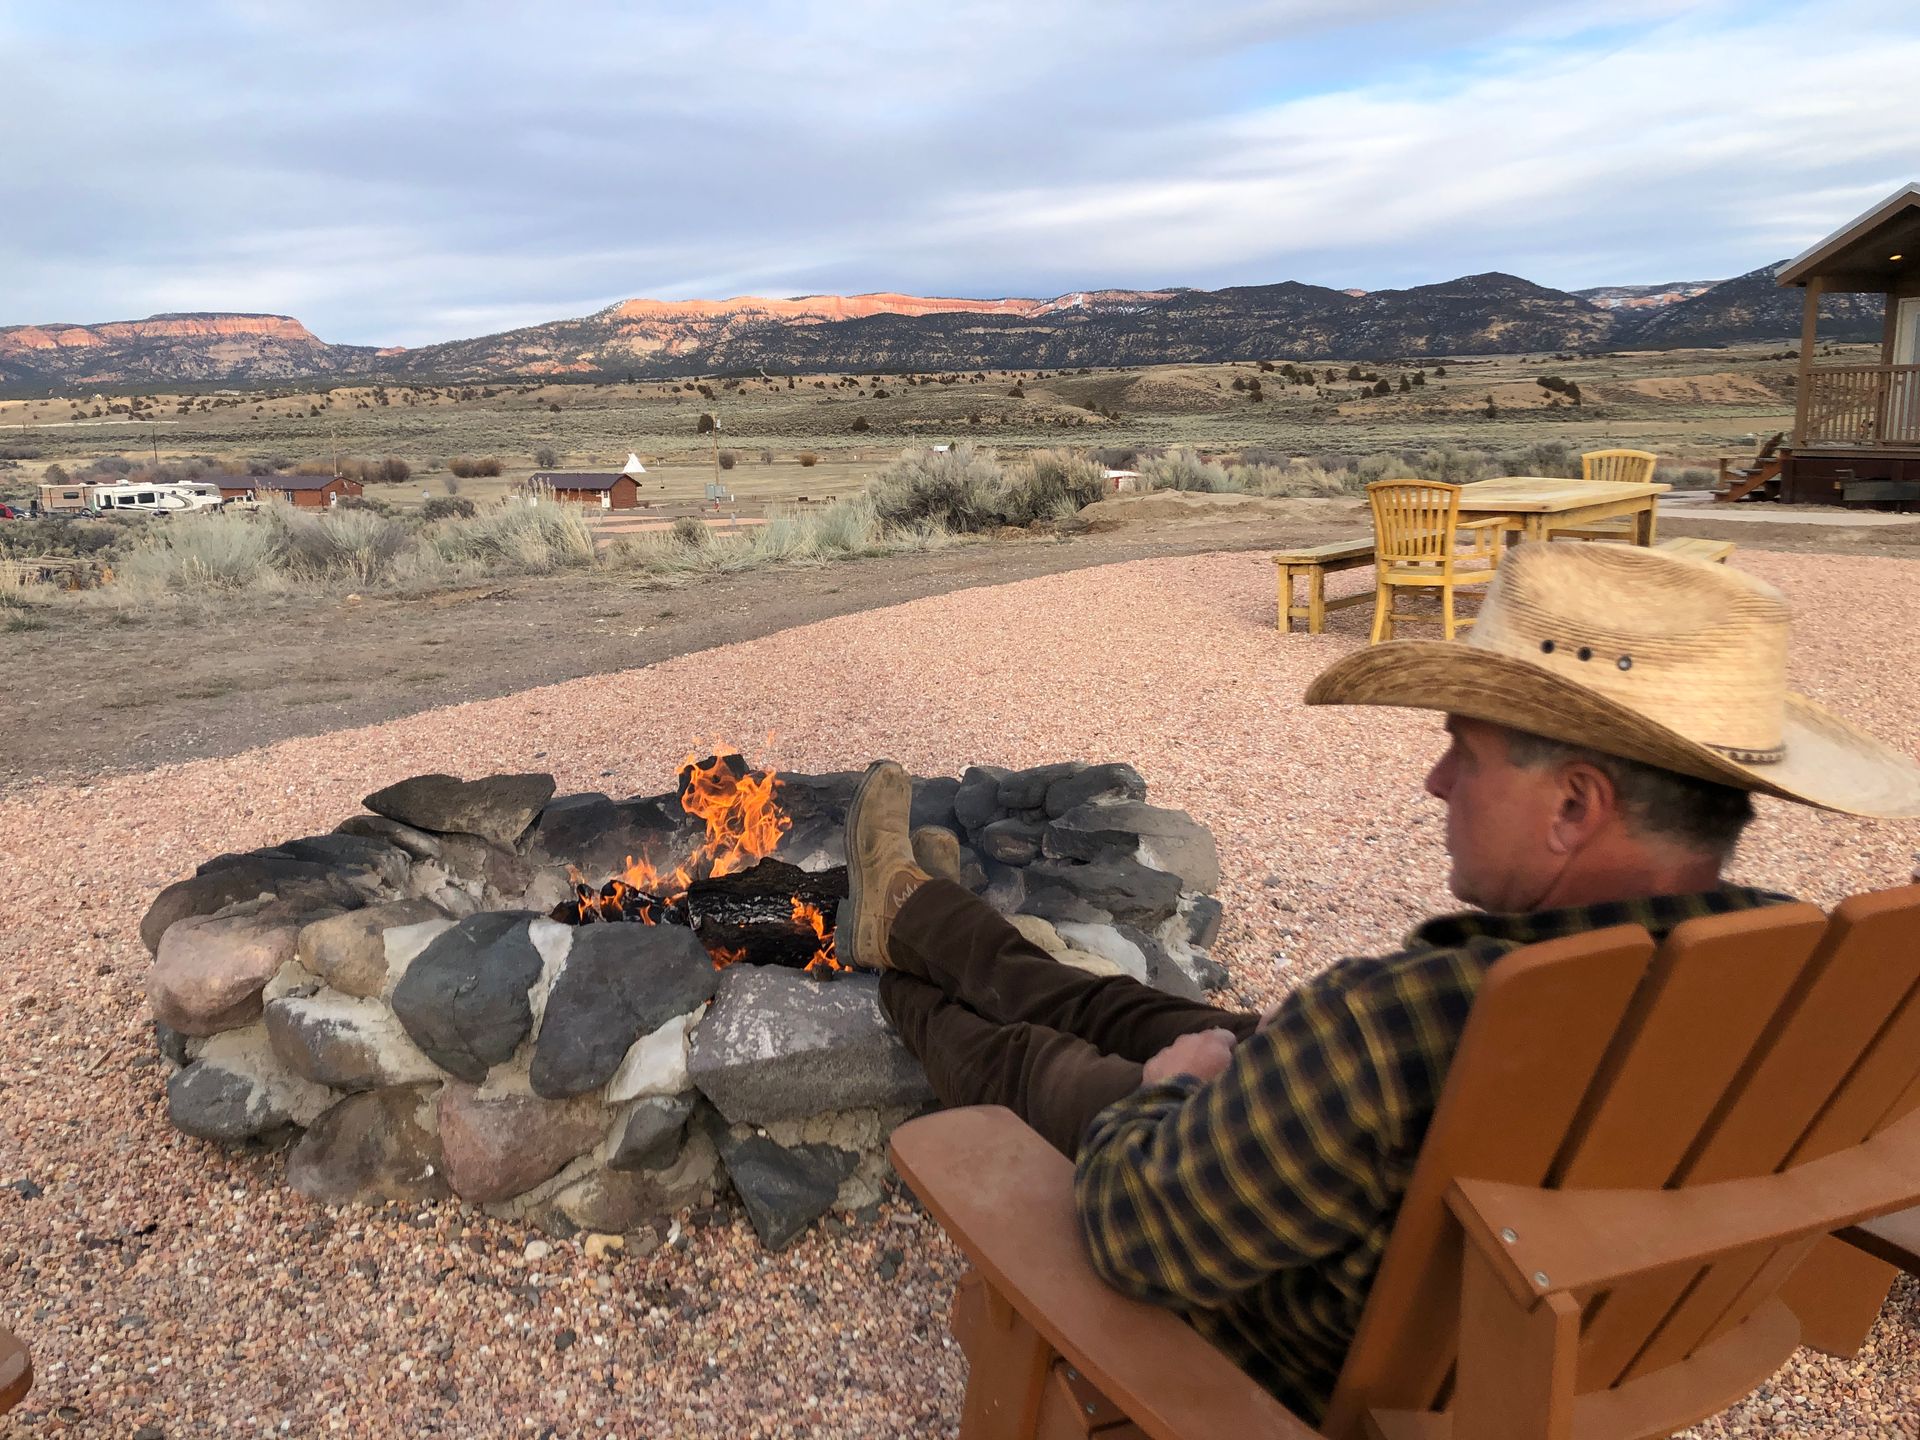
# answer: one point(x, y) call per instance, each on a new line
point(1205, 1055)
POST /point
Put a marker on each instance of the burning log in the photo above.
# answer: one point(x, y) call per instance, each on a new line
point(777, 914)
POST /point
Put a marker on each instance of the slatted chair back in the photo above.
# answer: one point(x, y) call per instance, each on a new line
point(1414, 522)
point(1747, 1044)
point(1631, 467)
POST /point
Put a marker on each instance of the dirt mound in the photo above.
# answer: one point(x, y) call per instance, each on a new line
point(1724, 387)
point(1178, 391)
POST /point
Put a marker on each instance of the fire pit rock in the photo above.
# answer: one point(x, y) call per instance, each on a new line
point(399, 1002)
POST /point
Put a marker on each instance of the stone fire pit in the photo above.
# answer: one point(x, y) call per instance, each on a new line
point(395, 1002)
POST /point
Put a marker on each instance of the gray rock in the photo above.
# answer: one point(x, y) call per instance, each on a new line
point(615, 1201)
point(348, 951)
point(1027, 789)
point(1060, 904)
point(344, 1043)
point(933, 803)
point(236, 1090)
point(779, 1045)
point(484, 864)
point(1095, 782)
point(1005, 889)
point(249, 877)
point(417, 843)
point(464, 998)
point(171, 1044)
point(1124, 889)
point(353, 852)
point(371, 1149)
point(977, 799)
point(785, 1189)
point(1010, 841)
point(1203, 914)
point(620, 982)
point(599, 835)
point(1169, 840)
point(1163, 971)
point(651, 1136)
point(497, 808)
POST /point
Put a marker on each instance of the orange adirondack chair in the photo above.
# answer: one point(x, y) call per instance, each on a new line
point(1634, 1150)
point(16, 1371)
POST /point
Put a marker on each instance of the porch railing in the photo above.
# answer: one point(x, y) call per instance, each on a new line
point(1862, 405)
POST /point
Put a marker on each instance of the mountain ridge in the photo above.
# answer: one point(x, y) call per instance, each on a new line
point(1488, 313)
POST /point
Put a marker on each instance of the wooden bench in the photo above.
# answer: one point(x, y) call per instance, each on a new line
point(1694, 548)
point(1314, 564)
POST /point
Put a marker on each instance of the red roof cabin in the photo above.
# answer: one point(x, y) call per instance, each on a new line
point(307, 492)
point(608, 491)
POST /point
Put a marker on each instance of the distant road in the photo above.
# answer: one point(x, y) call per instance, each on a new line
point(76, 424)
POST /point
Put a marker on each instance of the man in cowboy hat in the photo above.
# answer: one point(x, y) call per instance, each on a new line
point(1607, 720)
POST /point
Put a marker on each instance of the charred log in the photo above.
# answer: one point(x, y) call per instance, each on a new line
point(758, 913)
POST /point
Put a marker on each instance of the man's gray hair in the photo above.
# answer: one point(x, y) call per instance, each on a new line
point(1698, 814)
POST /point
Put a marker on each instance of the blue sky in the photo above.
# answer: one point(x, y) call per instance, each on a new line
point(398, 175)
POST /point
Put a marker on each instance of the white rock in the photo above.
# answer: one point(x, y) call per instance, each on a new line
point(655, 1064)
point(1109, 944)
point(249, 1052)
point(403, 944)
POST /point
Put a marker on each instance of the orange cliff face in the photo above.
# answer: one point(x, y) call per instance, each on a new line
point(156, 327)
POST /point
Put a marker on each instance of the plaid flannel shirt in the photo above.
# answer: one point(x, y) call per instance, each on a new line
point(1259, 1204)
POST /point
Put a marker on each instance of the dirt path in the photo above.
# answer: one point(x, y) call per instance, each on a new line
point(91, 692)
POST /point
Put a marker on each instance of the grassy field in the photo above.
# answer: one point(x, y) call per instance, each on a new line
point(1689, 406)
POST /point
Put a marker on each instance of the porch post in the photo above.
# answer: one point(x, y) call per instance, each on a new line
point(1803, 387)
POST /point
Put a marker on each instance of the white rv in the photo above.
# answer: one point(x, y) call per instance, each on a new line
point(182, 497)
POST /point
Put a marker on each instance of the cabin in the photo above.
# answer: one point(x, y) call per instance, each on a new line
point(1856, 428)
point(307, 492)
point(608, 491)
point(238, 488)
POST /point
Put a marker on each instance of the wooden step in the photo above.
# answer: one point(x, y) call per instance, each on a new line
point(1751, 480)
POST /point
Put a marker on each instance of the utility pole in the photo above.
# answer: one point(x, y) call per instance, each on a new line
point(333, 443)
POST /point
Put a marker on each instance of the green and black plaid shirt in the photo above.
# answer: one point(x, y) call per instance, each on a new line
point(1259, 1204)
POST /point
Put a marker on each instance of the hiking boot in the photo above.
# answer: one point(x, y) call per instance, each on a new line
point(936, 850)
point(881, 872)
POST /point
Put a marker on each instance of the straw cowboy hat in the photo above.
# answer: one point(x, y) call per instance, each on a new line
point(1676, 663)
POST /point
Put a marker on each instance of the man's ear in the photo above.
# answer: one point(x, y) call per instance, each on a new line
point(1587, 802)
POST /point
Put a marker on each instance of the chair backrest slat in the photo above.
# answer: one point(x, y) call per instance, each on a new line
point(1751, 1042)
point(1540, 1025)
point(1413, 521)
point(1632, 467)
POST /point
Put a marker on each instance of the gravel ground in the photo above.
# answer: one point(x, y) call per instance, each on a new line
point(166, 1285)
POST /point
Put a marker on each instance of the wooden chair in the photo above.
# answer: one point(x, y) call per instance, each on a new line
point(1634, 1149)
point(1416, 535)
point(16, 1371)
point(1626, 467)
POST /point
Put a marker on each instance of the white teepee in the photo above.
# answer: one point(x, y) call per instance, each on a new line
point(633, 465)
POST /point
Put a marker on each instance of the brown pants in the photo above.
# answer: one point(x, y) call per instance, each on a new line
point(997, 1021)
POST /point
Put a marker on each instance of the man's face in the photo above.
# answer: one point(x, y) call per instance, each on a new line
point(1498, 817)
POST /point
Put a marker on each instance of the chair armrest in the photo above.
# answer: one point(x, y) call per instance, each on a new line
point(1491, 522)
point(1005, 1197)
point(1893, 1238)
point(16, 1371)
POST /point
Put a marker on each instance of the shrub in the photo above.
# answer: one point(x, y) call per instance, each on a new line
point(727, 459)
point(807, 459)
point(448, 507)
point(451, 485)
point(705, 425)
point(690, 531)
point(1686, 477)
point(1051, 484)
point(546, 458)
point(860, 424)
point(766, 457)
point(201, 554)
point(536, 535)
point(1182, 469)
point(960, 488)
point(468, 467)
point(357, 546)
point(55, 475)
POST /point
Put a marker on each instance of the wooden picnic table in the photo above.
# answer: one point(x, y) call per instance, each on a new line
point(1537, 505)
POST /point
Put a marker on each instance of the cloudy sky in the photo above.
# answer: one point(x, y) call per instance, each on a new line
point(397, 174)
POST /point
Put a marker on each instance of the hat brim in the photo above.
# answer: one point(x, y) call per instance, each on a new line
point(1828, 762)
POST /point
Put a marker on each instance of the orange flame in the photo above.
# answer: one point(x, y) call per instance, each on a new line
point(824, 960)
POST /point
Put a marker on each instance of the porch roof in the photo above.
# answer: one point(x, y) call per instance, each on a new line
point(1869, 253)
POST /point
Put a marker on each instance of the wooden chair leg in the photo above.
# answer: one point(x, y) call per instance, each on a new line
point(1007, 1375)
point(1382, 613)
point(1837, 1293)
point(1446, 611)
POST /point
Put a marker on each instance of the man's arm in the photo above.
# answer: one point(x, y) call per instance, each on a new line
point(1191, 1191)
